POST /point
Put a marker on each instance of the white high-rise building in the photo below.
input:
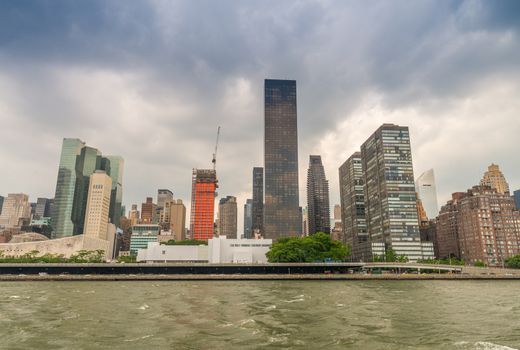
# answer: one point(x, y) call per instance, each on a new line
point(427, 191)
point(98, 205)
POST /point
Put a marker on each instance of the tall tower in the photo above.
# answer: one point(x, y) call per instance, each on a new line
point(317, 197)
point(227, 214)
point(258, 201)
point(281, 208)
point(427, 191)
point(495, 179)
point(16, 208)
point(203, 187)
point(248, 218)
point(390, 200)
point(148, 211)
point(351, 181)
point(98, 205)
point(116, 198)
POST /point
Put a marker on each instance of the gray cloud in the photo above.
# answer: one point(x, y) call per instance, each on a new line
point(151, 80)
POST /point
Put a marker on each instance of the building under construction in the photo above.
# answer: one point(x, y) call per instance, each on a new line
point(204, 185)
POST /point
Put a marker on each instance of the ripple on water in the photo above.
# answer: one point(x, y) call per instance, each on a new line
point(481, 345)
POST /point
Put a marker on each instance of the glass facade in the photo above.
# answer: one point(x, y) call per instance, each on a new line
point(427, 191)
point(204, 185)
point(390, 200)
point(248, 219)
point(281, 206)
point(258, 200)
point(317, 197)
point(77, 163)
point(351, 182)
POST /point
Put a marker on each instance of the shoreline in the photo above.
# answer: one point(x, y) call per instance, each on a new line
point(257, 277)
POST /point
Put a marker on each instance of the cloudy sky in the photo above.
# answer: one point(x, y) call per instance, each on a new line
point(152, 80)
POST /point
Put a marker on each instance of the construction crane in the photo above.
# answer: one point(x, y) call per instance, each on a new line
point(214, 160)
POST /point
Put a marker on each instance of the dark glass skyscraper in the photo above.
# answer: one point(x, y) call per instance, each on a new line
point(317, 197)
point(281, 206)
point(248, 218)
point(258, 200)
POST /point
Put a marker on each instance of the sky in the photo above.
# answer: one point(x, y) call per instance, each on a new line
point(152, 80)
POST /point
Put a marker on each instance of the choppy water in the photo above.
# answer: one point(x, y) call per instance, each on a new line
point(260, 315)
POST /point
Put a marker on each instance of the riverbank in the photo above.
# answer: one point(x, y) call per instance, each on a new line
point(260, 277)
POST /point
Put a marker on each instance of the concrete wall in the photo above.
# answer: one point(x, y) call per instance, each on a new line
point(222, 250)
point(157, 252)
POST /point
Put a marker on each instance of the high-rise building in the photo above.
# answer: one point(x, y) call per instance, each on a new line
point(483, 225)
point(317, 197)
point(16, 210)
point(163, 196)
point(148, 210)
point(427, 192)
point(494, 178)
point(227, 215)
point(389, 188)
point(337, 212)
point(516, 197)
point(248, 219)
point(352, 196)
point(204, 185)
point(116, 198)
point(1, 203)
point(77, 163)
point(258, 200)
point(305, 222)
point(134, 215)
point(98, 205)
point(177, 219)
point(42, 208)
point(281, 204)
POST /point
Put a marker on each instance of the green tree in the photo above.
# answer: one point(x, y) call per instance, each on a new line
point(479, 263)
point(314, 248)
point(185, 242)
point(513, 262)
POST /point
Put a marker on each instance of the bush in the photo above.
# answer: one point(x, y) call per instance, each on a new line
point(479, 263)
point(513, 262)
point(185, 242)
point(316, 248)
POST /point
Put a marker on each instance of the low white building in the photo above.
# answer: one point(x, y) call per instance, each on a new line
point(242, 251)
point(157, 252)
point(218, 251)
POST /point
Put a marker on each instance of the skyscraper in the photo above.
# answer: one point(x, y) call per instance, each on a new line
point(227, 215)
point(1, 203)
point(98, 205)
point(258, 200)
point(390, 200)
point(163, 196)
point(42, 208)
point(516, 197)
point(494, 178)
point(317, 197)
point(204, 185)
point(148, 211)
point(116, 198)
point(248, 218)
point(352, 196)
point(15, 210)
point(427, 191)
point(281, 205)
point(134, 215)
point(77, 163)
point(178, 219)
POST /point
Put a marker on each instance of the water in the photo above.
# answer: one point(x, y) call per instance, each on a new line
point(260, 315)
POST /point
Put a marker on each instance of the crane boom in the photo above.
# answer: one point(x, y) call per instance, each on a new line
point(214, 160)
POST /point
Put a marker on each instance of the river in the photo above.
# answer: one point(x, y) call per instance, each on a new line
point(260, 315)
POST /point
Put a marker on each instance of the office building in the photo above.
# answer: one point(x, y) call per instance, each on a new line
point(352, 197)
point(282, 217)
point(148, 212)
point(427, 193)
point(317, 197)
point(141, 235)
point(16, 211)
point(77, 163)
point(481, 225)
point(258, 200)
point(516, 198)
point(115, 171)
point(389, 189)
point(177, 219)
point(494, 178)
point(204, 186)
point(1, 203)
point(248, 219)
point(42, 209)
point(163, 196)
point(134, 215)
point(98, 205)
point(227, 215)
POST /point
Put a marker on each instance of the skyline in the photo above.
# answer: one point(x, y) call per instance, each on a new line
point(447, 85)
